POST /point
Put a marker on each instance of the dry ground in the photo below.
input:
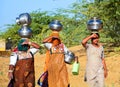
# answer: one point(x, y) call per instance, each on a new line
point(112, 61)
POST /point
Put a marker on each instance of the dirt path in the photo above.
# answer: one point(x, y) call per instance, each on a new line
point(112, 61)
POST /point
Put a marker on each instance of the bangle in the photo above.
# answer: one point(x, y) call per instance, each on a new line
point(29, 43)
point(10, 70)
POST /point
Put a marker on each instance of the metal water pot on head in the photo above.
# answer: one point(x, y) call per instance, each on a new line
point(25, 32)
point(24, 20)
point(55, 25)
point(94, 24)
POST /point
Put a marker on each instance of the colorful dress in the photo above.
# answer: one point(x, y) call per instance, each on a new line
point(57, 70)
point(23, 75)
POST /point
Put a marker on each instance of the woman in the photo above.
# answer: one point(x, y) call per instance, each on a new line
point(96, 69)
point(56, 67)
point(49, 40)
point(21, 68)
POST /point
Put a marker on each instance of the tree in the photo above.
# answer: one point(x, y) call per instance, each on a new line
point(108, 11)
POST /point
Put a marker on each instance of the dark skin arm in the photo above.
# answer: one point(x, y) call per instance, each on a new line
point(10, 71)
point(49, 39)
point(76, 59)
point(105, 68)
point(84, 41)
point(33, 44)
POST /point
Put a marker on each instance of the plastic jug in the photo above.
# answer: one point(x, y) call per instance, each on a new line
point(75, 68)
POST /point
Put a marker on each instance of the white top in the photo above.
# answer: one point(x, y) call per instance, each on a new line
point(13, 57)
point(49, 45)
point(94, 60)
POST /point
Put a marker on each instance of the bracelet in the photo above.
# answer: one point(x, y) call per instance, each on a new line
point(10, 70)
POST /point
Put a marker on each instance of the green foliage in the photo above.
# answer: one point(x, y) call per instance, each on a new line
point(12, 32)
point(108, 11)
point(74, 22)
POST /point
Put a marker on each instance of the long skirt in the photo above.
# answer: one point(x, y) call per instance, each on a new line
point(24, 73)
point(57, 71)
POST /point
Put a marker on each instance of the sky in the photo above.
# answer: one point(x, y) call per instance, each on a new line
point(10, 9)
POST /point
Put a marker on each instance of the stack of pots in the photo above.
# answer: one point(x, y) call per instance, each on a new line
point(24, 20)
point(94, 25)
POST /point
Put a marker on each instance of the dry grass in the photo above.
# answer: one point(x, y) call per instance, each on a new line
point(112, 61)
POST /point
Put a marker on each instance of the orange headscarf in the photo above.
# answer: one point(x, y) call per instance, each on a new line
point(55, 33)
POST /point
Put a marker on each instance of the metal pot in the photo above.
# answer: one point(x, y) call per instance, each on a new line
point(69, 58)
point(23, 18)
point(55, 25)
point(94, 24)
point(25, 32)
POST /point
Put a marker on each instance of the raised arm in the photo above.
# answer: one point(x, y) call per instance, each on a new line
point(33, 44)
point(47, 40)
point(84, 41)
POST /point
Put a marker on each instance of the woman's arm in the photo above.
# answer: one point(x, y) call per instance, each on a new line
point(47, 40)
point(10, 71)
point(84, 41)
point(13, 59)
point(65, 49)
point(50, 39)
point(33, 44)
point(48, 45)
point(105, 68)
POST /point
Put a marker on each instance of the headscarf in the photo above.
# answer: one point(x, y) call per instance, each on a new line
point(55, 33)
point(22, 47)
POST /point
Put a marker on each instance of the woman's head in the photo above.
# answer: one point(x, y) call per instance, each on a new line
point(95, 39)
point(23, 47)
point(56, 41)
point(55, 38)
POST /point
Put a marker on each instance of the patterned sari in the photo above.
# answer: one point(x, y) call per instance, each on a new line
point(24, 75)
point(57, 70)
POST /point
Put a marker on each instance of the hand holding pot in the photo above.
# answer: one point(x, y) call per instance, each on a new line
point(76, 59)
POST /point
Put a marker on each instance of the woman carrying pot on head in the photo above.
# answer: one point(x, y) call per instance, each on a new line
point(56, 67)
point(21, 68)
point(47, 40)
point(96, 69)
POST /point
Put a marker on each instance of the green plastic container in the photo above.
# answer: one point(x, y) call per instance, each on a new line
point(75, 68)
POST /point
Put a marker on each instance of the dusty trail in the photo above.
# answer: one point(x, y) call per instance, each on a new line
point(112, 61)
